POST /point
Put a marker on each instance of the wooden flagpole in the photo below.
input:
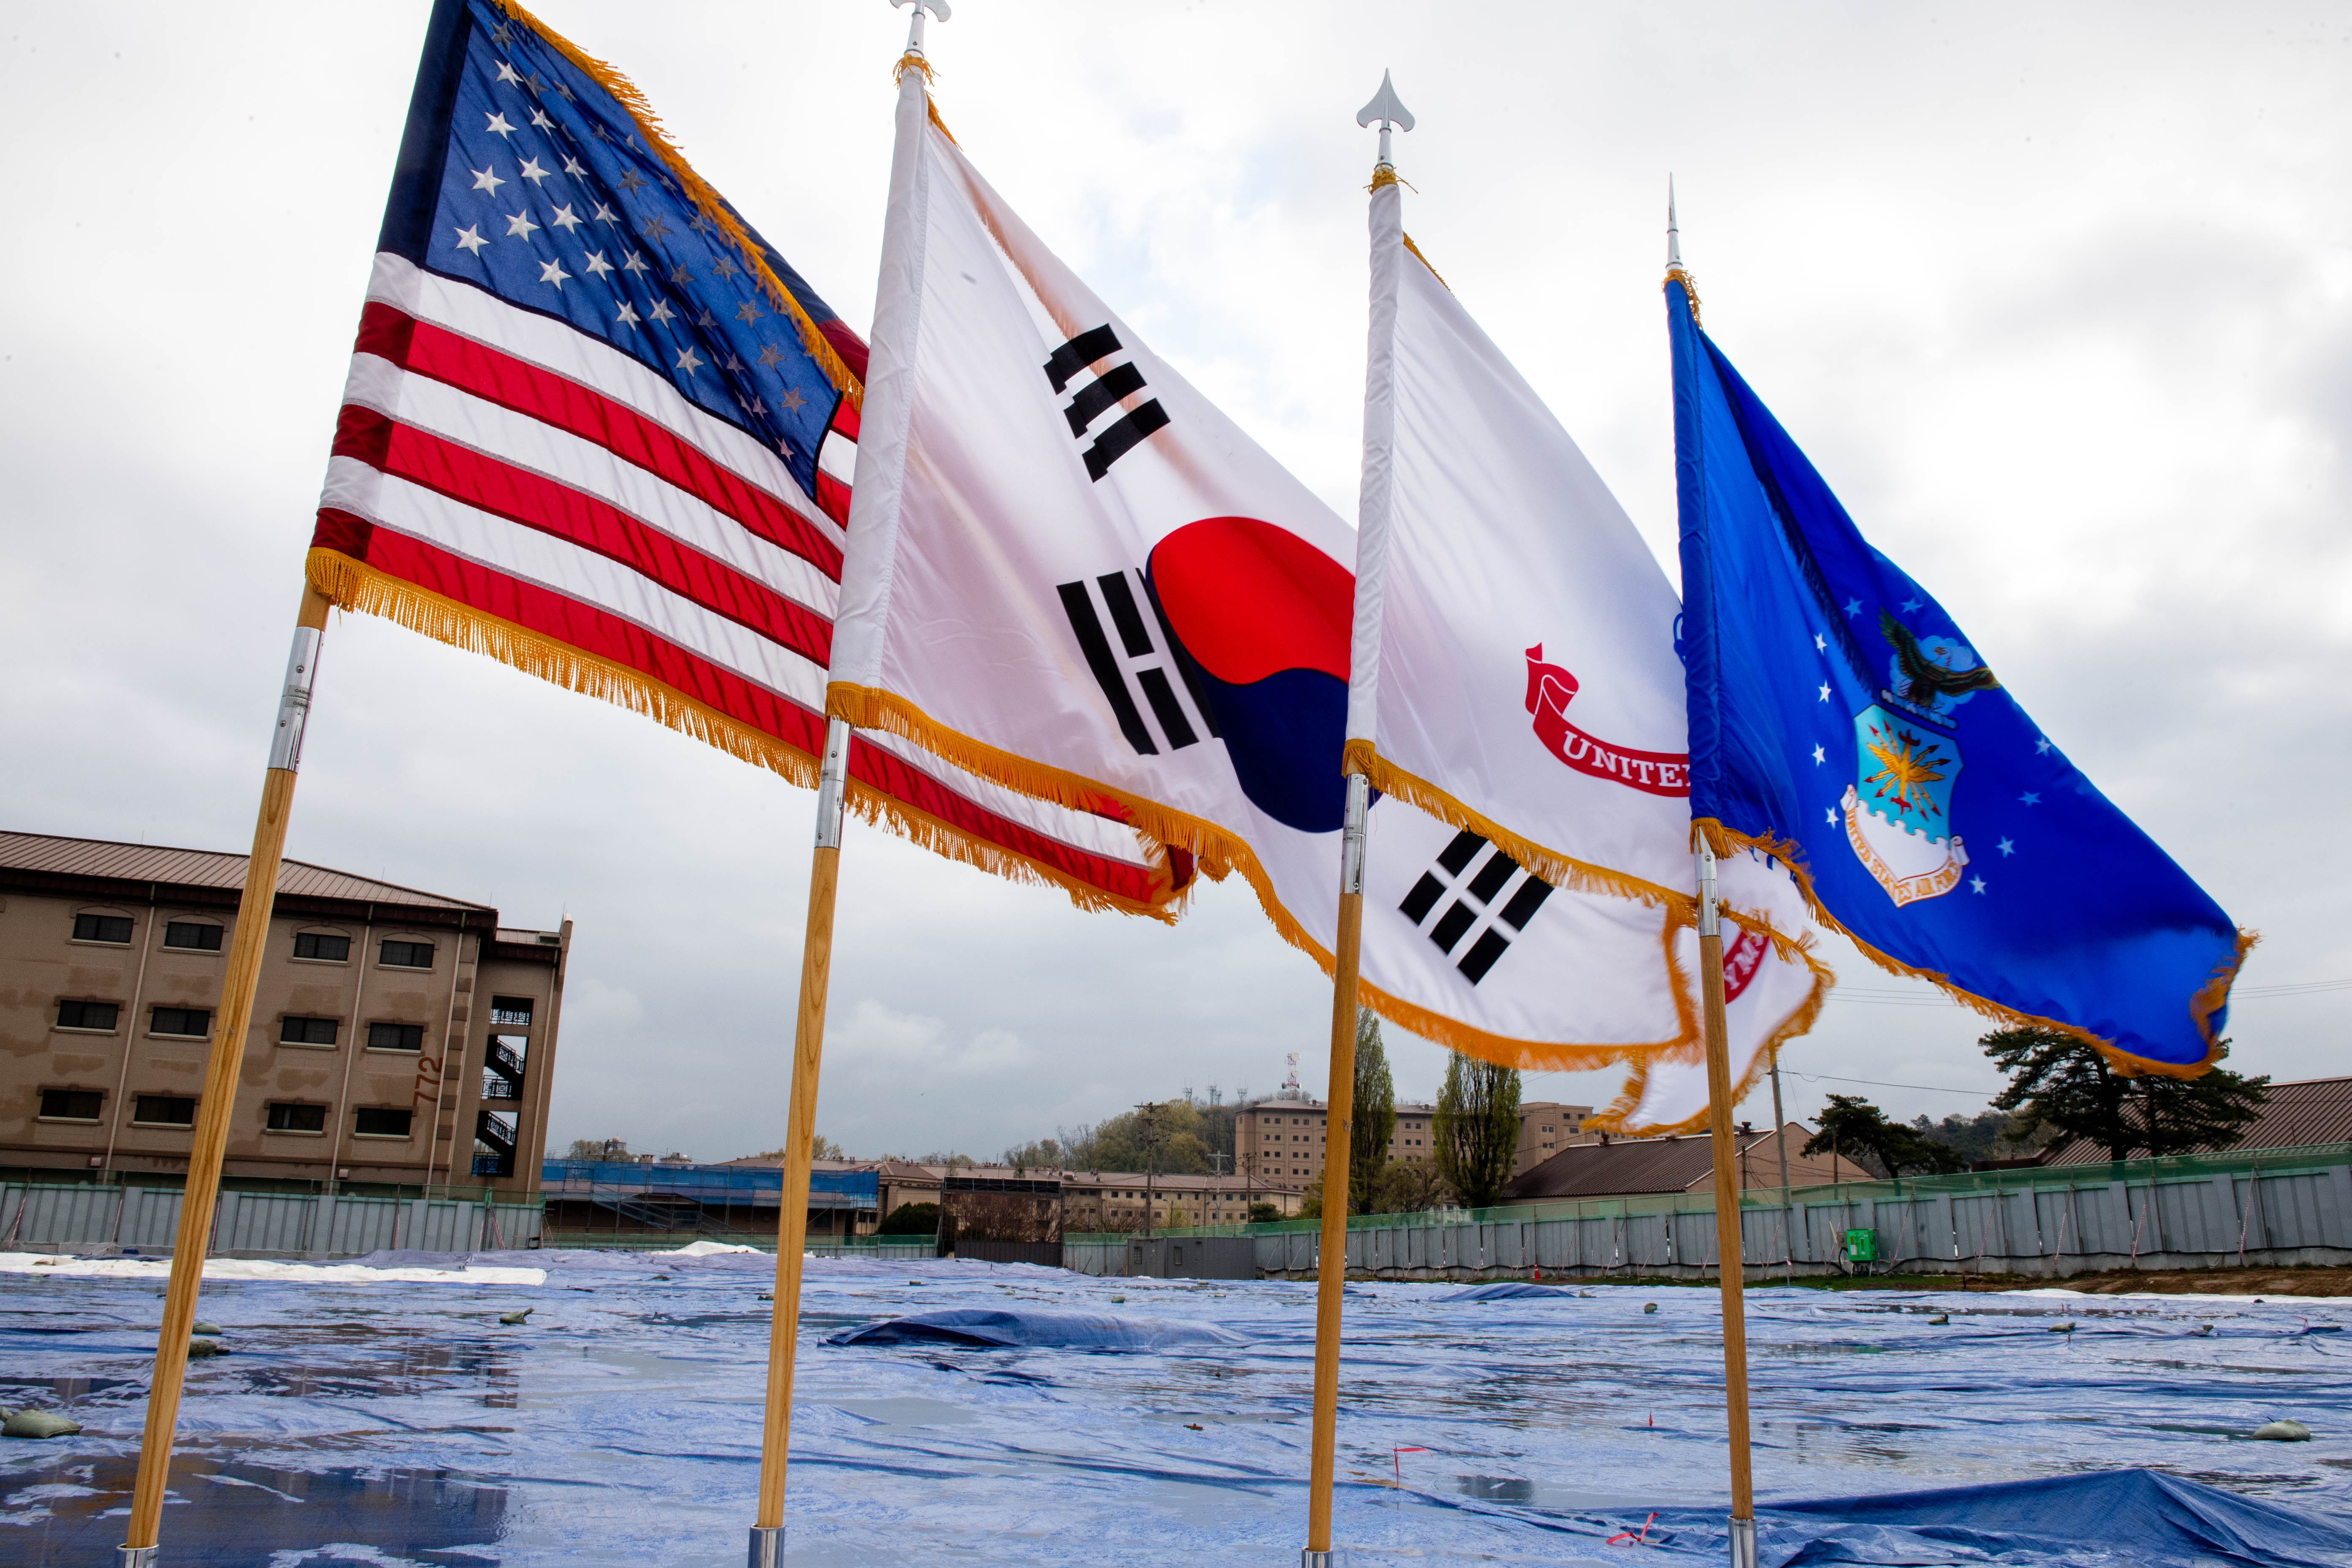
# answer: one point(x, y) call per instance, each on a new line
point(767, 1545)
point(1730, 1255)
point(225, 1065)
point(1339, 1144)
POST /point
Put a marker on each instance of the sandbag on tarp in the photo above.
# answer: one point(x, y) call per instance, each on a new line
point(2141, 1517)
point(999, 1328)
point(1506, 1290)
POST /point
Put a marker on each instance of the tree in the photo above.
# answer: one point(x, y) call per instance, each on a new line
point(1476, 1132)
point(1373, 1124)
point(911, 1219)
point(1987, 1135)
point(822, 1148)
point(598, 1149)
point(1264, 1213)
point(1408, 1187)
point(1037, 1154)
point(1858, 1131)
point(2063, 1082)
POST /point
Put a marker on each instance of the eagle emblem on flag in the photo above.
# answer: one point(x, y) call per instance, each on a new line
point(1898, 810)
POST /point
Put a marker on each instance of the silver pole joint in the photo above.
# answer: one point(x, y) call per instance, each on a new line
point(832, 783)
point(141, 1556)
point(293, 711)
point(1743, 1543)
point(1310, 1558)
point(768, 1540)
point(1711, 923)
point(1351, 836)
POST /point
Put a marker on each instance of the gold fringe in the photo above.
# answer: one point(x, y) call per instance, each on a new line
point(1219, 852)
point(1383, 175)
point(911, 61)
point(1560, 871)
point(708, 200)
point(1433, 272)
point(932, 105)
point(2202, 1005)
point(1615, 1119)
point(1690, 293)
point(355, 585)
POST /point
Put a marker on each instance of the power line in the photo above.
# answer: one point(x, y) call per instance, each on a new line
point(1878, 1083)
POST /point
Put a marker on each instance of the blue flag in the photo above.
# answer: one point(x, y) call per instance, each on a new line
point(1841, 722)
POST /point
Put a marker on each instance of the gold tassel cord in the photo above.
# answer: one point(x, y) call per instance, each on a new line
point(712, 206)
point(911, 61)
point(354, 586)
point(1690, 293)
point(1220, 852)
point(1433, 272)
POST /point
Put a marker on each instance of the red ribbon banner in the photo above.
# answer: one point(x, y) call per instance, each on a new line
point(1551, 689)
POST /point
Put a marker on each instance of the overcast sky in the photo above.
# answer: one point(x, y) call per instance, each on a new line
point(2059, 299)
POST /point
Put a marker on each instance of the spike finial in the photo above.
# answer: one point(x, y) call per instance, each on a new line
point(1673, 233)
point(939, 8)
point(1389, 110)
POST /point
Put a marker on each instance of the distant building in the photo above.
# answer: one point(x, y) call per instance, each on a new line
point(1103, 1200)
point(1644, 1167)
point(1280, 1141)
point(2299, 1113)
point(397, 1037)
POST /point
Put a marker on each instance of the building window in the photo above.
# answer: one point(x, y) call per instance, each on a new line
point(284, 1118)
point(511, 1009)
point(324, 946)
point(88, 1016)
point(163, 1111)
point(396, 1037)
point(381, 1122)
point(114, 929)
point(307, 1031)
point(70, 1104)
point(193, 1023)
point(198, 936)
point(406, 955)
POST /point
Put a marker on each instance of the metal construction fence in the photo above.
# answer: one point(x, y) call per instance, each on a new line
point(746, 1185)
point(93, 1218)
point(2268, 1206)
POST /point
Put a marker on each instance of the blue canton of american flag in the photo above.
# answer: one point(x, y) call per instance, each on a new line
point(596, 427)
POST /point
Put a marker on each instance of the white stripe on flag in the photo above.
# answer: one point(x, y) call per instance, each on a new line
point(558, 347)
point(524, 442)
point(565, 568)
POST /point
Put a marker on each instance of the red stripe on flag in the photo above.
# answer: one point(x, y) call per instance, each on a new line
point(538, 502)
point(500, 378)
point(594, 631)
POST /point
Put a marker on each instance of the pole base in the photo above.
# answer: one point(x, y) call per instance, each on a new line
point(768, 1547)
point(1310, 1558)
point(1743, 1543)
point(135, 1556)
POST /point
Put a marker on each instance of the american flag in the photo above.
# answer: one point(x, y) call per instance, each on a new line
point(598, 428)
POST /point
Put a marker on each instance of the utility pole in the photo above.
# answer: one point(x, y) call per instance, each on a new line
point(1150, 1113)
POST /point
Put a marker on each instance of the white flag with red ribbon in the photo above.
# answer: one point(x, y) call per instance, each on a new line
point(1514, 670)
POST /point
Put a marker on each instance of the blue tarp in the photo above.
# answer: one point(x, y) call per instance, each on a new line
point(1506, 1290)
point(991, 1329)
point(401, 1423)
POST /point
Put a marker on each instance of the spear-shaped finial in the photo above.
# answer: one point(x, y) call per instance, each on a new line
point(1673, 233)
point(1388, 109)
point(939, 8)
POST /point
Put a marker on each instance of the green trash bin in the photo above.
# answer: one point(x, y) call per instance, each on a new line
point(1862, 1247)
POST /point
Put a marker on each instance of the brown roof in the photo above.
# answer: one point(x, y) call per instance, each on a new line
point(2306, 1110)
point(105, 860)
point(1624, 1167)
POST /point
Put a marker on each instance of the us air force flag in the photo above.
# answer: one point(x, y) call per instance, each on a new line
point(1067, 572)
point(1514, 669)
point(1838, 718)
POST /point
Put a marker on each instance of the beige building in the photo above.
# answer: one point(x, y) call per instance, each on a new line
point(1100, 1200)
point(397, 1037)
point(1281, 1140)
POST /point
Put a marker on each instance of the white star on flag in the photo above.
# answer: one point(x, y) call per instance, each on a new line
point(1820, 756)
point(688, 362)
point(484, 180)
point(595, 266)
point(634, 263)
point(628, 316)
point(552, 272)
point(498, 126)
point(470, 240)
point(662, 313)
point(564, 218)
point(506, 71)
point(533, 173)
point(1825, 693)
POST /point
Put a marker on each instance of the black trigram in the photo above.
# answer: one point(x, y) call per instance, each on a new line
point(1126, 596)
point(1475, 900)
point(1104, 391)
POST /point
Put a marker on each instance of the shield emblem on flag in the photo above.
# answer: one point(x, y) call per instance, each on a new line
point(1898, 810)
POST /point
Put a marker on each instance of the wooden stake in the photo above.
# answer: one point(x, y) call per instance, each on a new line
point(225, 1063)
point(1339, 1143)
point(1729, 1254)
point(800, 1139)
